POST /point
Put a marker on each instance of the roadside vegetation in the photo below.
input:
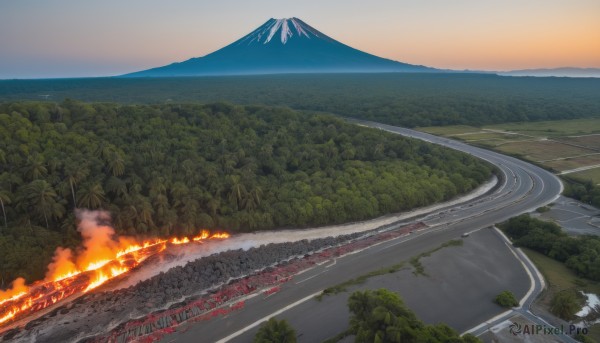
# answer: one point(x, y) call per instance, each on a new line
point(173, 169)
point(415, 262)
point(275, 331)
point(506, 299)
point(581, 254)
point(382, 316)
point(566, 303)
point(565, 281)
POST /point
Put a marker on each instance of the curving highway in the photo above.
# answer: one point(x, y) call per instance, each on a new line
point(523, 187)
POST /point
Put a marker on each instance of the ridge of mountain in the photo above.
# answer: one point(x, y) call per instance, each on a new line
point(282, 46)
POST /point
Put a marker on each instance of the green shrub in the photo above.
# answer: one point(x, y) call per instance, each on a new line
point(506, 299)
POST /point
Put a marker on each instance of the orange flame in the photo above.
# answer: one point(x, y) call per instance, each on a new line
point(18, 290)
point(100, 259)
point(204, 234)
point(178, 241)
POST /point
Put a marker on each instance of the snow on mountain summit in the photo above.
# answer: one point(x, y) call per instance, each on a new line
point(280, 30)
point(282, 46)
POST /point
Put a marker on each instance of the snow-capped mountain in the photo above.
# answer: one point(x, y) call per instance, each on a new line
point(282, 46)
point(282, 29)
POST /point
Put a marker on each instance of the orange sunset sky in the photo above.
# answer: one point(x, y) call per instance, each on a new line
point(70, 38)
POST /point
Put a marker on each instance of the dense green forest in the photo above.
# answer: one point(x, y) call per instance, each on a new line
point(172, 169)
point(396, 98)
point(581, 253)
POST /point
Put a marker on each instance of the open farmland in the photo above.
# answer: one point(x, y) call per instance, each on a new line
point(543, 150)
point(561, 145)
point(574, 162)
point(552, 128)
point(591, 141)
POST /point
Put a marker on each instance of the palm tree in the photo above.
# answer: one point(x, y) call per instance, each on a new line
point(116, 164)
point(91, 196)
point(104, 150)
point(191, 172)
point(4, 199)
point(117, 187)
point(179, 193)
point(35, 167)
point(41, 199)
point(158, 186)
point(248, 203)
point(275, 331)
point(237, 190)
point(228, 163)
point(74, 174)
point(144, 210)
point(10, 181)
point(214, 204)
point(161, 204)
point(256, 193)
point(189, 212)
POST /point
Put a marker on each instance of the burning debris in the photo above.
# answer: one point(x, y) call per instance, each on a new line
point(207, 287)
point(102, 257)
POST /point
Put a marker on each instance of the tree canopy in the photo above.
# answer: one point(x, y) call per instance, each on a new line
point(275, 331)
point(405, 99)
point(506, 299)
point(173, 169)
point(580, 253)
point(382, 316)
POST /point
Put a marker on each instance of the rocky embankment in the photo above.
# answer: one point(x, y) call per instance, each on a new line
point(100, 312)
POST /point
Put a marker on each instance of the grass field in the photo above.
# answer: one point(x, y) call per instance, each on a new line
point(540, 151)
point(591, 141)
point(591, 174)
point(559, 277)
point(540, 129)
point(558, 145)
point(450, 130)
point(555, 128)
point(572, 163)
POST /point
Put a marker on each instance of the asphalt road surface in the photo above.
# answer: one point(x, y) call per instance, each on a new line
point(574, 217)
point(523, 188)
point(442, 295)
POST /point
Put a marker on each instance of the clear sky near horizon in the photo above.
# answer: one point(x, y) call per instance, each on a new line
point(75, 38)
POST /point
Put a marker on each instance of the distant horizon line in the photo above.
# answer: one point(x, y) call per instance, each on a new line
point(451, 71)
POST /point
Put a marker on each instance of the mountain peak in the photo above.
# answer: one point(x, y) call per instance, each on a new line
point(287, 45)
point(280, 30)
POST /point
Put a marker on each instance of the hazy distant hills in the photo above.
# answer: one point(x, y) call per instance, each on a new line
point(282, 46)
point(557, 72)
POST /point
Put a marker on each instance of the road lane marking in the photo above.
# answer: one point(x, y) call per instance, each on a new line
point(310, 277)
point(263, 319)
